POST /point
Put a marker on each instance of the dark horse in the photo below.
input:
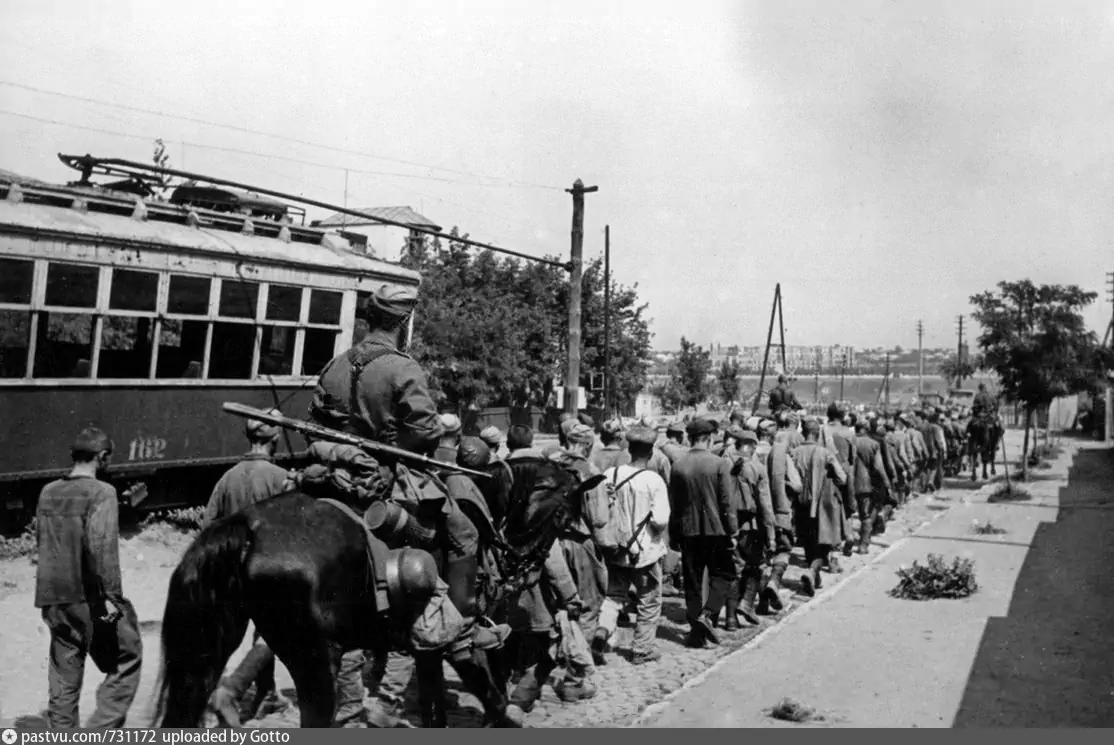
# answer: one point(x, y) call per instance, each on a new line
point(298, 569)
point(983, 435)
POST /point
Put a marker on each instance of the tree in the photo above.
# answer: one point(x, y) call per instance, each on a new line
point(1035, 338)
point(689, 373)
point(161, 158)
point(957, 370)
point(728, 375)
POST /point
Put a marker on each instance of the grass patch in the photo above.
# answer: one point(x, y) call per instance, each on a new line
point(936, 580)
point(25, 544)
point(988, 529)
point(788, 710)
point(1009, 492)
point(171, 526)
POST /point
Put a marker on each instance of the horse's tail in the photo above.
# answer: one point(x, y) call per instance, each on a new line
point(204, 621)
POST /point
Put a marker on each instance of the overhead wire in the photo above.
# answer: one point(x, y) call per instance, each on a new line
point(295, 140)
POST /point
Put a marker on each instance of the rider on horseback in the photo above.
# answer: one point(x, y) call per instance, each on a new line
point(985, 405)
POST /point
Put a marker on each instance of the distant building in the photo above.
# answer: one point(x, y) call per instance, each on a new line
point(386, 242)
point(647, 405)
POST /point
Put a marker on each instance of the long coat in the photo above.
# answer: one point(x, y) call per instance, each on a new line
point(822, 478)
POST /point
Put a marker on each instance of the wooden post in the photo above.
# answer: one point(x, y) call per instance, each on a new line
point(920, 360)
point(607, 319)
point(766, 358)
point(572, 378)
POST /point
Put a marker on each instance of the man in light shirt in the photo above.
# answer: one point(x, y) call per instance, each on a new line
point(638, 567)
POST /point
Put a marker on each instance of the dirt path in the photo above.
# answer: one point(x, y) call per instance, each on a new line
point(624, 690)
point(1028, 649)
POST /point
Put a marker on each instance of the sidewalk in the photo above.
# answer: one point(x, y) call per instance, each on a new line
point(1030, 648)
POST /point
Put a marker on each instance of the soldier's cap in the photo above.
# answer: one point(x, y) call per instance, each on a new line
point(91, 441)
point(473, 453)
point(258, 430)
point(577, 433)
point(397, 301)
point(746, 436)
point(700, 428)
point(735, 431)
point(753, 423)
point(642, 435)
point(613, 426)
point(675, 426)
point(491, 435)
point(450, 423)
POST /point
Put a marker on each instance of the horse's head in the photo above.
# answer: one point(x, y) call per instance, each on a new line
point(546, 499)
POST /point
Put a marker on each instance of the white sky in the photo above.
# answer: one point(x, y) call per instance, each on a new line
point(882, 159)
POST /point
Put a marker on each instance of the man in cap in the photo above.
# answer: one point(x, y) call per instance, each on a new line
point(375, 390)
point(704, 520)
point(641, 501)
point(612, 453)
point(785, 485)
point(818, 512)
point(783, 397)
point(520, 443)
point(757, 530)
point(836, 437)
point(254, 479)
point(77, 584)
point(871, 481)
point(908, 421)
point(670, 450)
point(674, 445)
point(493, 438)
point(788, 423)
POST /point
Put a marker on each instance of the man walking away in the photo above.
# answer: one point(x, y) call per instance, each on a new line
point(785, 485)
point(640, 512)
point(612, 453)
point(757, 531)
point(818, 513)
point(704, 519)
point(78, 588)
point(871, 484)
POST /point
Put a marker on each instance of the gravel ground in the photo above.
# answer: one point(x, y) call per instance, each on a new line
point(625, 690)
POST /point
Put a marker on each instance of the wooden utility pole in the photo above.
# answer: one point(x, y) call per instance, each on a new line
point(774, 312)
point(959, 357)
point(572, 378)
point(842, 372)
point(816, 386)
point(920, 359)
point(607, 318)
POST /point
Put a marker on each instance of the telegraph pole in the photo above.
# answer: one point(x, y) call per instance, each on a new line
point(816, 394)
point(959, 356)
point(920, 359)
point(1109, 335)
point(572, 378)
point(607, 318)
point(842, 372)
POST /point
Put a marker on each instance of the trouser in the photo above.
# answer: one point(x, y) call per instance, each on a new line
point(646, 582)
point(808, 535)
point(783, 548)
point(258, 666)
point(749, 557)
point(73, 638)
point(936, 472)
point(711, 553)
point(671, 568)
point(868, 507)
point(590, 575)
point(534, 663)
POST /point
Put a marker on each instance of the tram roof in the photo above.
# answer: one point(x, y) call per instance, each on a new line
point(167, 228)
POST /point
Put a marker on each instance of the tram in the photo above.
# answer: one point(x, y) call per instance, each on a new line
point(141, 316)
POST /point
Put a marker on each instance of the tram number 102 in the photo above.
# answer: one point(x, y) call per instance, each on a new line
point(147, 448)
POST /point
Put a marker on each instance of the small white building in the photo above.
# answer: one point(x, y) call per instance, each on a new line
point(647, 405)
point(385, 242)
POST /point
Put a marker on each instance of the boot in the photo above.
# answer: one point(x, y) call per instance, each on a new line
point(571, 690)
point(731, 610)
point(810, 580)
point(705, 626)
point(599, 646)
point(834, 566)
point(750, 593)
point(770, 597)
point(478, 680)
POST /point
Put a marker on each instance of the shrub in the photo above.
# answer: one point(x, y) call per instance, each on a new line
point(988, 529)
point(22, 545)
point(1009, 492)
point(789, 710)
point(936, 580)
point(186, 520)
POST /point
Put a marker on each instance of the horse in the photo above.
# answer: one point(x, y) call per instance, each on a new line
point(298, 569)
point(983, 435)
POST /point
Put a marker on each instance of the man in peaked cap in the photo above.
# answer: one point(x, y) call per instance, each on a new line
point(254, 479)
point(493, 438)
point(375, 390)
point(612, 453)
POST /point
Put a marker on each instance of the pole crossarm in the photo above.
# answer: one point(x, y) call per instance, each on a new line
point(89, 160)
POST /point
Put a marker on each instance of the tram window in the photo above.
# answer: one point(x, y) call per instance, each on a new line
point(125, 347)
point(317, 350)
point(359, 331)
point(133, 290)
point(284, 303)
point(324, 307)
point(72, 286)
point(188, 295)
point(64, 348)
point(230, 355)
point(276, 353)
point(15, 280)
point(181, 349)
point(15, 335)
point(238, 299)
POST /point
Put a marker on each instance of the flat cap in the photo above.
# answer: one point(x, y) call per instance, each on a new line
point(613, 426)
point(491, 435)
point(91, 441)
point(675, 426)
point(642, 435)
point(262, 430)
point(577, 433)
point(450, 423)
point(473, 453)
point(735, 431)
point(397, 301)
point(749, 437)
point(700, 428)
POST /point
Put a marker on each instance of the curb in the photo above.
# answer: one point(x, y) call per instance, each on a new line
point(766, 634)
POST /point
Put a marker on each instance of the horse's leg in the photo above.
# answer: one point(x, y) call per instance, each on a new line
point(314, 676)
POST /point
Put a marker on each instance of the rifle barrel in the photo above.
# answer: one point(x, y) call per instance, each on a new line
point(344, 438)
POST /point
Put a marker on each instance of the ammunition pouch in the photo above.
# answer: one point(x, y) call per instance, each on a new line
point(393, 524)
point(411, 579)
